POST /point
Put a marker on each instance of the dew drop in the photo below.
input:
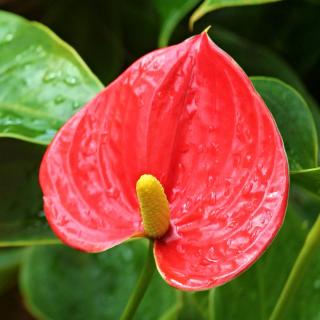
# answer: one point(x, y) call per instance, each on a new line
point(40, 51)
point(211, 255)
point(113, 193)
point(175, 192)
point(185, 208)
point(75, 104)
point(191, 109)
point(50, 76)
point(247, 188)
point(70, 80)
point(213, 197)
point(181, 249)
point(104, 138)
point(201, 148)
point(210, 180)
point(8, 38)
point(59, 99)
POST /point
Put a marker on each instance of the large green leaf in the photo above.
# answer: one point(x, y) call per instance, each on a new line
point(42, 80)
point(254, 294)
point(294, 121)
point(22, 220)
point(60, 283)
point(171, 13)
point(210, 5)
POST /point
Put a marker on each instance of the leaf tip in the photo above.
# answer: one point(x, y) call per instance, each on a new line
point(206, 30)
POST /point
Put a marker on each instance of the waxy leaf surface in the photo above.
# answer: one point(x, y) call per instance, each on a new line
point(42, 80)
point(188, 115)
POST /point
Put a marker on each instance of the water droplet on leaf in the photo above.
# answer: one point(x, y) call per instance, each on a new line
point(59, 99)
point(9, 37)
point(75, 104)
point(50, 76)
point(70, 80)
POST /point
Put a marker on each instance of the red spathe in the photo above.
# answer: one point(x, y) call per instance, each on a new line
point(188, 115)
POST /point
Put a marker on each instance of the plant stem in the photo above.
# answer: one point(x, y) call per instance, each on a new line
point(141, 286)
point(298, 270)
point(211, 308)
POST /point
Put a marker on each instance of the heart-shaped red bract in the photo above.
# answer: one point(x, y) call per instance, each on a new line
point(188, 115)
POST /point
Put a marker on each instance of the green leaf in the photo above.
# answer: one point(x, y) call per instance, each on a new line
point(22, 221)
point(10, 260)
point(309, 179)
point(294, 121)
point(42, 80)
point(211, 5)
point(171, 13)
point(254, 294)
point(60, 283)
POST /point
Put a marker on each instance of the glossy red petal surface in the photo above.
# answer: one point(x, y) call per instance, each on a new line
point(228, 183)
point(84, 203)
point(188, 115)
point(89, 172)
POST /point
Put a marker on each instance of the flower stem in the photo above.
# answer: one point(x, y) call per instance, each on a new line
point(211, 307)
point(141, 286)
point(298, 270)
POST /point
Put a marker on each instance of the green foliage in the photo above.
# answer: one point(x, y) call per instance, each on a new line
point(90, 286)
point(308, 178)
point(210, 5)
point(42, 80)
point(171, 13)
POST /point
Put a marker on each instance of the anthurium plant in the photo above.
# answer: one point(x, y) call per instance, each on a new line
point(174, 174)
